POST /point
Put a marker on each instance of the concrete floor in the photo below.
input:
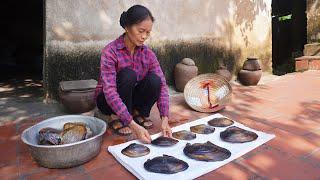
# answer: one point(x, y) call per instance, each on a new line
point(287, 106)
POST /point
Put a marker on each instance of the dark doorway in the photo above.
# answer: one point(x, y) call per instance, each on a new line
point(289, 33)
point(21, 43)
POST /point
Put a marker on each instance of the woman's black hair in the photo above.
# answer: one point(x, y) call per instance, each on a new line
point(135, 15)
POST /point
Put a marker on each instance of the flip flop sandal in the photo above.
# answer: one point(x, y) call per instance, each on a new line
point(117, 125)
point(142, 121)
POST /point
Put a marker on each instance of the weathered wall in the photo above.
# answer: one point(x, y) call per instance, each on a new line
point(313, 15)
point(209, 31)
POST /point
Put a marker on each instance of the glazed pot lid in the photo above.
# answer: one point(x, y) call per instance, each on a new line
point(78, 85)
point(188, 62)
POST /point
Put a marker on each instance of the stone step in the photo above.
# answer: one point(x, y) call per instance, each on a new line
point(307, 63)
point(312, 49)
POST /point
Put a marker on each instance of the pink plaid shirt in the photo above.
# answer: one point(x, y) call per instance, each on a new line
point(115, 56)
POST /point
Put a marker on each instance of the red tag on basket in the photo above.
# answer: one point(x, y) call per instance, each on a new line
point(206, 85)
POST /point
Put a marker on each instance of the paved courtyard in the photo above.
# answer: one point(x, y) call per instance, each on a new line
point(287, 106)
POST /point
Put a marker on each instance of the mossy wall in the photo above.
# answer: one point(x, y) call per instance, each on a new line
point(67, 61)
point(207, 54)
point(75, 61)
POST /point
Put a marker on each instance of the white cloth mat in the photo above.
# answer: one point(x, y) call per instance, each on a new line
point(196, 168)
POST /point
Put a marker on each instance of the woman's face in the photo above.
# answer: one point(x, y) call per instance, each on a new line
point(139, 33)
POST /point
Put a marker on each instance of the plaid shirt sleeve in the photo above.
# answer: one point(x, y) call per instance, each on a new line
point(163, 101)
point(108, 74)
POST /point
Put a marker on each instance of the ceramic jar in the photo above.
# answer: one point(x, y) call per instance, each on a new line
point(77, 96)
point(251, 72)
point(224, 72)
point(251, 64)
point(183, 72)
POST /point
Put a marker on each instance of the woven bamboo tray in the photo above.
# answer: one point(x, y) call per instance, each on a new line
point(207, 93)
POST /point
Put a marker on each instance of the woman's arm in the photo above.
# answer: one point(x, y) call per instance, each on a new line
point(163, 101)
point(108, 74)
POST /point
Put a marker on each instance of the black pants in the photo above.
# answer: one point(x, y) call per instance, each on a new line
point(140, 96)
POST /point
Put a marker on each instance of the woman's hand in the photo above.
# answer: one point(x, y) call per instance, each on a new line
point(141, 133)
point(166, 130)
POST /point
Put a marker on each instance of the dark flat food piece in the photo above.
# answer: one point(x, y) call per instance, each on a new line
point(202, 129)
point(135, 150)
point(237, 135)
point(164, 141)
point(49, 136)
point(184, 135)
point(72, 124)
point(165, 164)
point(73, 134)
point(220, 122)
point(206, 152)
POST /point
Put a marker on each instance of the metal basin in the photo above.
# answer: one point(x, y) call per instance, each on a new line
point(67, 155)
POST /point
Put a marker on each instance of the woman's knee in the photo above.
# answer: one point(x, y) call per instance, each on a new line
point(102, 104)
point(154, 81)
point(127, 75)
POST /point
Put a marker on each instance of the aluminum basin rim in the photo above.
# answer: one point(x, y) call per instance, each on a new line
point(103, 130)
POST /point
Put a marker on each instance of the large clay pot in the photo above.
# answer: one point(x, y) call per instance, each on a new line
point(249, 78)
point(224, 72)
point(77, 96)
point(183, 72)
point(251, 64)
